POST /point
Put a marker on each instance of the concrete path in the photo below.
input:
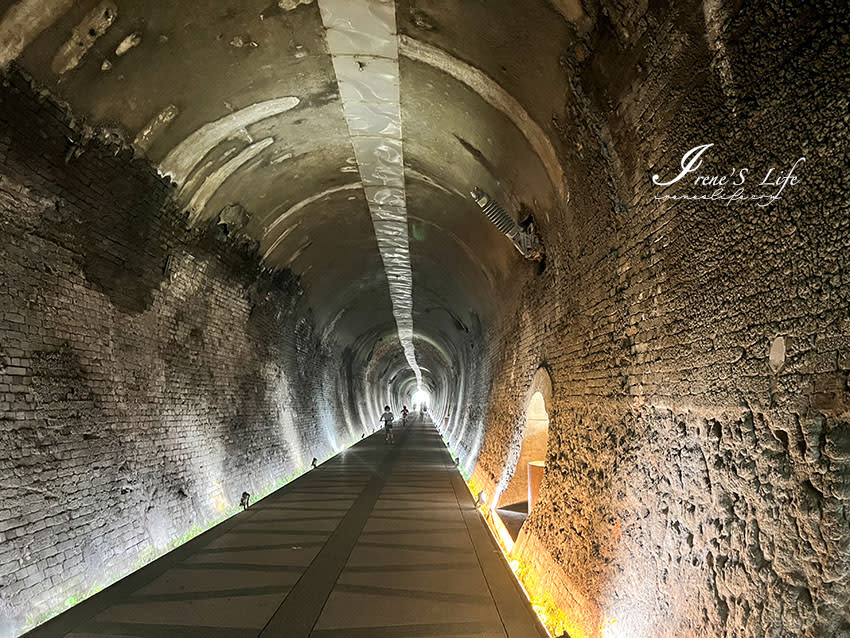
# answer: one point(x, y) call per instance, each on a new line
point(382, 541)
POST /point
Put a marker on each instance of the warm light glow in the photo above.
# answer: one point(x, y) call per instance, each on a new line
point(504, 536)
point(420, 397)
point(553, 618)
point(537, 412)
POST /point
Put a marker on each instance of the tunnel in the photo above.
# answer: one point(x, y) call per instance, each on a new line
point(599, 249)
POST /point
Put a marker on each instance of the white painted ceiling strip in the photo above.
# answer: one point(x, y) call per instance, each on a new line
point(188, 154)
point(219, 176)
point(363, 42)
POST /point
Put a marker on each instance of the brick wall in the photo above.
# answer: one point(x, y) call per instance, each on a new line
point(692, 489)
point(148, 374)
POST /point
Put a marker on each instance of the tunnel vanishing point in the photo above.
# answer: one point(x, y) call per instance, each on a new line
point(609, 240)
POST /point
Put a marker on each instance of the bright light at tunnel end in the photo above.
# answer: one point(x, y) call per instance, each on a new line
point(420, 397)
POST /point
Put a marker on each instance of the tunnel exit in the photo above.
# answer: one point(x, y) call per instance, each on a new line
point(420, 399)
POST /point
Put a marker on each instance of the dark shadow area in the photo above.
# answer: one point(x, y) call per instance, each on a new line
point(513, 517)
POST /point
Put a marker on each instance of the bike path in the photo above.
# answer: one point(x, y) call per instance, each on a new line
point(381, 541)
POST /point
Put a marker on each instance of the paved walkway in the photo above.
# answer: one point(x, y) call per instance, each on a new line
point(382, 541)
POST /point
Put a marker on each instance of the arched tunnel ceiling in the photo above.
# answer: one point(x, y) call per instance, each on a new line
point(239, 102)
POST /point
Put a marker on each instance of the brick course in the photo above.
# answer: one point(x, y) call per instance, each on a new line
point(148, 374)
point(691, 489)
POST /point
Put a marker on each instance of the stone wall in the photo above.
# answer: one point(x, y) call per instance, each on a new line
point(698, 464)
point(698, 479)
point(148, 374)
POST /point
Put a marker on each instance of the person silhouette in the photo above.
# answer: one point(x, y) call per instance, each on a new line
point(387, 418)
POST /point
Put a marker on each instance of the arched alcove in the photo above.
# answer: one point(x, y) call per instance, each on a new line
point(518, 497)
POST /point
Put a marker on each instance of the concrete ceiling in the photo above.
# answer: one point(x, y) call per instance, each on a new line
point(238, 101)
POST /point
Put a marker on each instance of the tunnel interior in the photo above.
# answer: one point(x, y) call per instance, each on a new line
point(234, 231)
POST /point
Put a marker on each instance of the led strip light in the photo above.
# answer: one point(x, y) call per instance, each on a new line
point(363, 43)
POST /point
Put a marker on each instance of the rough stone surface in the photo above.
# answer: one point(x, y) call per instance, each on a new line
point(698, 463)
point(692, 487)
point(148, 374)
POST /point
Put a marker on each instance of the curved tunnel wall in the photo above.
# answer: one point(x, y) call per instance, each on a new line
point(698, 353)
point(155, 367)
point(151, 373)
point(696, 480)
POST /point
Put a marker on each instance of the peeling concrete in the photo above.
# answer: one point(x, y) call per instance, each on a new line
point(131, 41)
point(24, 21)
point(289, 5)
point(85, 34)
point(214, 181)
point(154, 128)
point(776, 357)
point(242, 41)
point(716, 21)
point(570, 9)
point(186, 155)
